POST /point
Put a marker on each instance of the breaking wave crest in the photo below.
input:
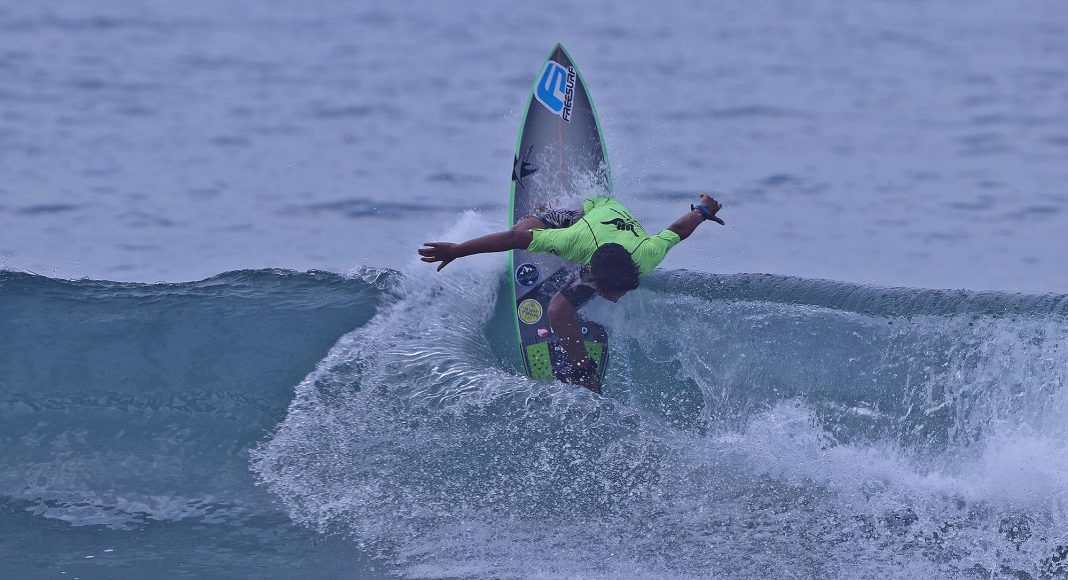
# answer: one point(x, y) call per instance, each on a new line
point(753, 426)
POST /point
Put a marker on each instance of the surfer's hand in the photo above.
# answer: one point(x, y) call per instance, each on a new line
point(713, 206)
point(443, 252)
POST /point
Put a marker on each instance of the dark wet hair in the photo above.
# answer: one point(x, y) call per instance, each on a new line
point(613, 269)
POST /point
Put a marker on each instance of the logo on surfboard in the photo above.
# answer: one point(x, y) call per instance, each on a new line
point(527, 275)
point(530, 311)
point(556, 89)
point(521, 167)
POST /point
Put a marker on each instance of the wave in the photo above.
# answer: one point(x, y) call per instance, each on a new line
point(123, 402)
point(752, 425)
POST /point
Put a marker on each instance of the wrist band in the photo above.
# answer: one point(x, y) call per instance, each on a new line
point(704, 210)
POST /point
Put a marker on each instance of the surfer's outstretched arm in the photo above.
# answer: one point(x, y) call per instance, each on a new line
point(446, 252)
point(685, 225)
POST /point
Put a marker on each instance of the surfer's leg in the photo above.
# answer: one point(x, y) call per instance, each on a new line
point(558, 218)
point(530, 223)
point(543, 218)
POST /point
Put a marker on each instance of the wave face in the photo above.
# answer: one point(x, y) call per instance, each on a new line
point(753, 426)
point(122, 403)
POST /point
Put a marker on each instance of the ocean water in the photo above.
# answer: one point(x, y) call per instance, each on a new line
point(219, 356)
point(753, 426)
point(911, 143)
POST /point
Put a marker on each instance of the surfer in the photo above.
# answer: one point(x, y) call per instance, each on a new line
point(603, 236)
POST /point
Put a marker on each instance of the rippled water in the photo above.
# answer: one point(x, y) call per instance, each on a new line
point(899, 143)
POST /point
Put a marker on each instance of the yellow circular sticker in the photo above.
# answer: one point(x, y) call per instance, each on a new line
point(530, 311)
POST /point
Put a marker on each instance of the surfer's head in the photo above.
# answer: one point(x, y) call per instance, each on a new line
point(613, 271)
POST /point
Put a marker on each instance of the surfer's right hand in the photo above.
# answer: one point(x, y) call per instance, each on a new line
point(443, 252)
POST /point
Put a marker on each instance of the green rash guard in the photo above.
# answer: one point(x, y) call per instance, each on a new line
point(605, 221)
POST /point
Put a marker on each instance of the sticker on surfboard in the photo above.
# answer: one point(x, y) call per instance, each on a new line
point(530, 311)
point(556, 89)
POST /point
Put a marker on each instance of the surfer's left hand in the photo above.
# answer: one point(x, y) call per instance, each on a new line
point(443, 252)
point(713, 207)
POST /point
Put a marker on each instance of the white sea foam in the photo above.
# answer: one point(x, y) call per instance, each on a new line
point(705, 460)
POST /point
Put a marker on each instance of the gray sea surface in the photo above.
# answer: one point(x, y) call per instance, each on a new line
point(906, 143)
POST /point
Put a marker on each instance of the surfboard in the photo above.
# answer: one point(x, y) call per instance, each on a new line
point(560, 155)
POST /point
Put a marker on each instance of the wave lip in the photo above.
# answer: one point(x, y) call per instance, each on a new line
point(864, 299)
